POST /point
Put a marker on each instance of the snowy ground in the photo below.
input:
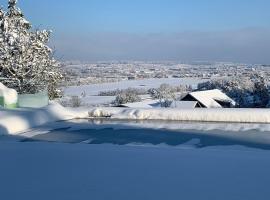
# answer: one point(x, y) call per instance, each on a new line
point(94, 89)
point(116, 160)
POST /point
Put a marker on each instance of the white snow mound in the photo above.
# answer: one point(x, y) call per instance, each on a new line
point(20, 120)
point(10, 95)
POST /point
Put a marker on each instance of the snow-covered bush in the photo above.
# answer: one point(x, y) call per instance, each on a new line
point(183, 88)
point(110, 93)
point(8, 97)
point(165, 94)
point(76, 101)
point(126, 96)
point(26, 62)
point(73, 101)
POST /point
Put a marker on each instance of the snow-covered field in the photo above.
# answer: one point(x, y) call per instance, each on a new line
point(97, 100)
point(94, 89)
point(91, 91)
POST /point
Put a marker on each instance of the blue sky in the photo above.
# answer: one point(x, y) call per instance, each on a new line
point(148, 15)
point(141, 29)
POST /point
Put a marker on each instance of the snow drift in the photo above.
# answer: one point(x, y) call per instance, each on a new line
point(201, 115)
point(19, 120)
point(9, 96)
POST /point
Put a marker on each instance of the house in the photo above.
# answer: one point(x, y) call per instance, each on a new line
point(210, 99)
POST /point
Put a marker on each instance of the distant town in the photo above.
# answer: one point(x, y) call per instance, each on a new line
point(79, 73)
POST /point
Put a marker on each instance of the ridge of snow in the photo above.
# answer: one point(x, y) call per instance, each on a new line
point(201, 115)
point(20, 120)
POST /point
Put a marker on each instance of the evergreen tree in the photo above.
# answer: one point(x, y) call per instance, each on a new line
point(26, 62)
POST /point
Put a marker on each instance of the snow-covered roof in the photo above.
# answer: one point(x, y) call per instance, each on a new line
point(183, 104)
point(208, 98)
point(143, 104)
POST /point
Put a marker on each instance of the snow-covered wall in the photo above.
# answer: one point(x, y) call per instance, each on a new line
point(202, 115)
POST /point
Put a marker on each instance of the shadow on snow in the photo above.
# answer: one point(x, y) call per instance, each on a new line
point(130, 135)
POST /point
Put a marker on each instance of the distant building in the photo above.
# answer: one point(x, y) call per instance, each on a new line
point(210, 99)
